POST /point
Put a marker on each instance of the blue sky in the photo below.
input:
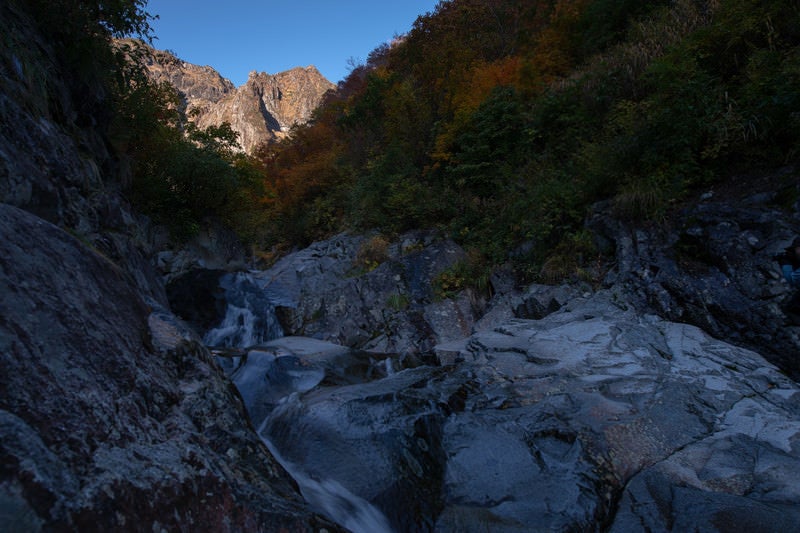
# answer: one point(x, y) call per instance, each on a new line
point(237, 36)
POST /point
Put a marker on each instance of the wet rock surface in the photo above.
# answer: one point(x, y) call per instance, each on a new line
point(274, 370)
point(592, 418)
point(112, 415)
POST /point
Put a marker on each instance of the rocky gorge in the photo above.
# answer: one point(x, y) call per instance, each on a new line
point(571, 407)
point(591, 419)
point(153, 389)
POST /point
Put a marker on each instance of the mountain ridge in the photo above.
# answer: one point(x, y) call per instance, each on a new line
point(262, 110)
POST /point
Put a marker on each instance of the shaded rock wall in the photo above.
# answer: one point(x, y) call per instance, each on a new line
point(712, 265)
point(110, 414)
point(54, 158)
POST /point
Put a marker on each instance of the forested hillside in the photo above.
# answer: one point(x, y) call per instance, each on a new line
point(502, 121)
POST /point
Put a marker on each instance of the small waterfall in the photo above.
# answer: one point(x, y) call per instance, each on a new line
point(237, 329)
point(332, 499)
point(249, 318)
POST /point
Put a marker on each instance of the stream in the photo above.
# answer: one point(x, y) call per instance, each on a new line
point(591, 418)
point(273, 377)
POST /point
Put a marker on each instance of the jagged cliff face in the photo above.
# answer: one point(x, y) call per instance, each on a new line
point(267, 106)
point(200, 86)
point(262, 110)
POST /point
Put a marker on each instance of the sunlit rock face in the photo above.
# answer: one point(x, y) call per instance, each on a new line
point(201, 86)
point(267, 106)
point(262, 110)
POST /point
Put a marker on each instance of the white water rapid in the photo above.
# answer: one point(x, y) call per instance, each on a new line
point(249, 317)
point(250, 320)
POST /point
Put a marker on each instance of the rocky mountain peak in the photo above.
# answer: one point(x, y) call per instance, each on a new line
point(201, 86)
point(261, 111)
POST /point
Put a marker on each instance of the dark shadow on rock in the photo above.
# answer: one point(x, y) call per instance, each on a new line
point(197, 298)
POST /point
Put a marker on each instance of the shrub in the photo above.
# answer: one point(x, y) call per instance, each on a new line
point(570, 259)
point(473, 273)
point(642, 199)
point(372, 253)
point(507, 133)
point(398, 302)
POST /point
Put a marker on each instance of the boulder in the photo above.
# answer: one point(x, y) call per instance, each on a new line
point(276, 369)
point(384, 305)
point(215, 247)
point(538, 300)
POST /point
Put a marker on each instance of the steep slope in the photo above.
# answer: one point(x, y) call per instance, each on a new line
point(505, 121)
point(262, 110)
point(110, 418)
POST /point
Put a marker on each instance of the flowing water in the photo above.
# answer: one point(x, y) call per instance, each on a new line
point(332, 499)
point(250, 320)
point(249, 317)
